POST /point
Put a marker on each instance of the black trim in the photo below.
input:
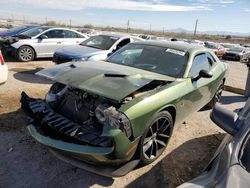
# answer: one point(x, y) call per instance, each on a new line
point(54, 125)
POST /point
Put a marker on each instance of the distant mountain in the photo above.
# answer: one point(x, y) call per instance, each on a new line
point(181, 30)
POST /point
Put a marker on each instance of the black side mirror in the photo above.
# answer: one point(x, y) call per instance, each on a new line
point(203, 74)
point(43, 37)
point(225, 119)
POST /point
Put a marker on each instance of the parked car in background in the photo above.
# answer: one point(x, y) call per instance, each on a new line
point(198, 42)
point(236, 54)
point(95, 48)
point(107, 117)
point(3, 70)
point(216, 47)
point(16, 30)
point(230, 166)
point(43, 42)
point(227, 46)
point(88, 32)
point(148, 37)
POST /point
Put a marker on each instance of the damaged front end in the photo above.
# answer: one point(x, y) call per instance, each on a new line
point(84, 126)
point(49, 122)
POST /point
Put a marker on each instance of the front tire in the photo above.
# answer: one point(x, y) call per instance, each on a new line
point(156, 137)
point(25, 54)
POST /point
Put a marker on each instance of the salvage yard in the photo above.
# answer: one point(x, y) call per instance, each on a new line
point(25, 163)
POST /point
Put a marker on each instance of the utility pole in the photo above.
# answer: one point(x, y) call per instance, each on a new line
point(247, 91)
point(128, 26)
point(70, 23)
point(196, 25)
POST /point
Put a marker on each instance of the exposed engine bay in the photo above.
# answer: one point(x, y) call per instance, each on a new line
point(86, 109)
point(80, 116)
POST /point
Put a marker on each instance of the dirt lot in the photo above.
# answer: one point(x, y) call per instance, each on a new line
point(25, 163)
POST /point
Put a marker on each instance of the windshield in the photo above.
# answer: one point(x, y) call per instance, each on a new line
point(236, 49)
point(228, 45)
point(162, 60)
point(17, 29)
point(212, 45)
point(102, 42)
point(35, 31)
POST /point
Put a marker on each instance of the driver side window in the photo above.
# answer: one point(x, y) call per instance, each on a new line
point(55, 34)
point(200, 62)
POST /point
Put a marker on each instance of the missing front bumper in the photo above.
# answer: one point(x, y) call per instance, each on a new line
point(49, 123)
point(84, 153)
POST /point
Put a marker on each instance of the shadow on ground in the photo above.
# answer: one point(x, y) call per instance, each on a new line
point(25, 163)
point(182, 164)
point(232, 99)
point(11, 58)
point(226, 100)
point(28, 75)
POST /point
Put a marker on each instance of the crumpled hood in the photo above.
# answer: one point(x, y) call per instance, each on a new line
point(109, 80)
point(78, 51)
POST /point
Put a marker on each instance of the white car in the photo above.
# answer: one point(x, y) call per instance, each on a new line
point(44, 41)
point(3, 70)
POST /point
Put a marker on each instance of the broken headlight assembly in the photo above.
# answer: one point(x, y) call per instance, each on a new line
point(108, 115)
point(56, 91)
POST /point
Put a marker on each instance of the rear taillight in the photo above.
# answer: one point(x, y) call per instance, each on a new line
point(1, 58)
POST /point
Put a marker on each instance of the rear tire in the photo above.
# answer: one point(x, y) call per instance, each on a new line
point(217, 96)
point(25, 54)
point(156, 137)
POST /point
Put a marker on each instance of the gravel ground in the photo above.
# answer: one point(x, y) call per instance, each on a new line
point(238, 74)
point(25, 163)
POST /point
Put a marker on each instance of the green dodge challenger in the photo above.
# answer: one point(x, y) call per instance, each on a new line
point(108, 116)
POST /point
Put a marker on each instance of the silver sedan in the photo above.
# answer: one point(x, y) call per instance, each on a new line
point(44, 41)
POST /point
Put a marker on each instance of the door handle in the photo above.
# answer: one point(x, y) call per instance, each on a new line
point(77, 41)
point(59, 42)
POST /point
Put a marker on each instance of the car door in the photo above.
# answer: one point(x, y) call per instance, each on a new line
point(49, 42)
point(202, 91)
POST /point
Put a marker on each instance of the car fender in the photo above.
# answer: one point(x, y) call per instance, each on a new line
point(98, 57)
point(24, 42)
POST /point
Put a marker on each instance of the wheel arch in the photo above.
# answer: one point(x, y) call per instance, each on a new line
point(172, 110)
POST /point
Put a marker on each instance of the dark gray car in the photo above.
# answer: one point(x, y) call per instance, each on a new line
point(236, 54)
point(230, 166)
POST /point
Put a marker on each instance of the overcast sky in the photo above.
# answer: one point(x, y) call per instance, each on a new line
point(213, 15)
